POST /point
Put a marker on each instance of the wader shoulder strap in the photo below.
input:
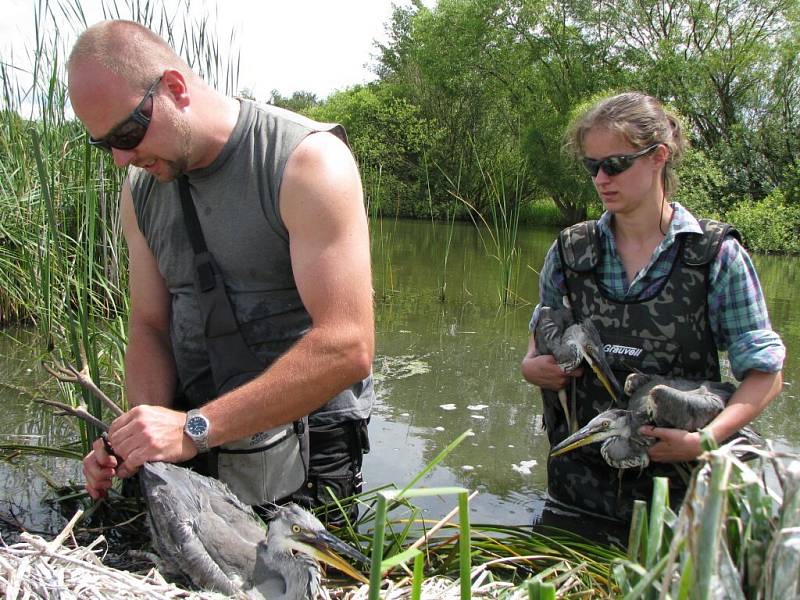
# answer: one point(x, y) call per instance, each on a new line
point(701, 249)
point(578, 246)
point(229, 355)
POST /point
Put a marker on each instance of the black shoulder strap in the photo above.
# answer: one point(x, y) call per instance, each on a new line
point(578, 246)
point(232, 361)
point(190, 217)
point(701, 249)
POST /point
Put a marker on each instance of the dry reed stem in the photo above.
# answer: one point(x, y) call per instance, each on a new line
point(37, 569)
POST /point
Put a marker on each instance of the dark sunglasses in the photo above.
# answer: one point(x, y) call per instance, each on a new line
point(130, 132)
point(614, 165)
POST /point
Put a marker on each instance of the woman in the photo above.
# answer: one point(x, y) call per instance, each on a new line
point(666, 292)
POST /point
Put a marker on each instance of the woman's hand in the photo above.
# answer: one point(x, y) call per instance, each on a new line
point(673, 445)
point(543, 370)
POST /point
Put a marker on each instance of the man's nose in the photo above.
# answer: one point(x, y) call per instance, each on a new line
point(122, 158)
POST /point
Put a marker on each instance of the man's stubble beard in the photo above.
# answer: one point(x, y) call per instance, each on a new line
point(178, 167)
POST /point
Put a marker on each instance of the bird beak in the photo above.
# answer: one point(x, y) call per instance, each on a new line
point(597, 361)
point(326, 548)
point(589, 434)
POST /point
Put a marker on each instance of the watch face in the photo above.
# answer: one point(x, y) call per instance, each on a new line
point(196, 426)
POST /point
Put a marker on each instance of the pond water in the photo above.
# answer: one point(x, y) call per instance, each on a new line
point(447, 361)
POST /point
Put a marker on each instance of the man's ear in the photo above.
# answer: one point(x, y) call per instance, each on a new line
point(178, 88)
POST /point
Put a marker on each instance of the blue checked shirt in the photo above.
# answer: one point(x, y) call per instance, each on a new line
point(739, 320)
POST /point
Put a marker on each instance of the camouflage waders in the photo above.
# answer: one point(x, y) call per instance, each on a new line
point(666, 334)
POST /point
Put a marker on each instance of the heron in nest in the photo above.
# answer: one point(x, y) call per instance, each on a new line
point(571, 344)
point(201, 530)
point(654, 400)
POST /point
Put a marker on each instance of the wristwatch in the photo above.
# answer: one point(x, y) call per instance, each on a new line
point(196, 428)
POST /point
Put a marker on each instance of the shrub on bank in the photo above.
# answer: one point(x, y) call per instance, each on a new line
point(768, 225)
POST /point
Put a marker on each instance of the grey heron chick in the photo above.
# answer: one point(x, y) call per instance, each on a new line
point(201, 530)
point(287, 562)
point(654, 400)
point(570, 344)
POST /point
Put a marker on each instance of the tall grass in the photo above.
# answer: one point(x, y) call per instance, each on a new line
point(63, 266)
point(733, 537)
point(382, 240)
point(499, 228)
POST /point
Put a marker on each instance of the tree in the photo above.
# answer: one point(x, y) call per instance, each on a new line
point(302, 102)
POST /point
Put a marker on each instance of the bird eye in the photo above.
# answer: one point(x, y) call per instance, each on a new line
point(295, 528)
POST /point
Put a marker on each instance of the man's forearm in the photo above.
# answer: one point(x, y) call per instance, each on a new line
point(315, 369)
point(149, 368)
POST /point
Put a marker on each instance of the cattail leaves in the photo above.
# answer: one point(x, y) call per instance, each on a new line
point(734, 537)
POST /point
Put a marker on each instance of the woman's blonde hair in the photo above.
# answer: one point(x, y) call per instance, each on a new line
point(641, 120)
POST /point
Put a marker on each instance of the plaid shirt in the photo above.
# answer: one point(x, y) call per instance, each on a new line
point(738, 314)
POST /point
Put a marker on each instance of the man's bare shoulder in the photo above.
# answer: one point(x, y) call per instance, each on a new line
point(320, 149)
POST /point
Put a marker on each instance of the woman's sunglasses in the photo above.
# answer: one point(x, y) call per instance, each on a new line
point(129, 134)
point(614, 165)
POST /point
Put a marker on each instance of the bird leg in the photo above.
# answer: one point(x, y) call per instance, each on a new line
point(76, 411)
point(573, 405)
point(70, 374)
point(562, 398)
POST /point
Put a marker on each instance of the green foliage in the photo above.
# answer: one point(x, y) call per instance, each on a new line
point(791, 183)
point(451, 62)
point(703, 186)
point(502, 78)
point(390, 139)
point(301, 102)
point(768, 225)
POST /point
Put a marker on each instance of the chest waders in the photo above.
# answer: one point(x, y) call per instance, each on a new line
point(666, 334)
point(267, 466)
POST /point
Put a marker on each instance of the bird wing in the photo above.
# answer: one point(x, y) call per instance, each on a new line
point(550, 328)
point(689, 410)
point(201, 528)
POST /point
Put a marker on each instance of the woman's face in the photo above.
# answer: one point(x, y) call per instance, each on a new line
point(638, 185)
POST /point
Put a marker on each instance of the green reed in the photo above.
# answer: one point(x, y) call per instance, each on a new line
point(497, 224)
point(63, 265)
point(381, 239)
point(733, 536)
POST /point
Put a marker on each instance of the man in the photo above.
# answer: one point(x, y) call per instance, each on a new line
point(279, 203)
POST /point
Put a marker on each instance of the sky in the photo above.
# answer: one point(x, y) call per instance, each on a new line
point(287, 45)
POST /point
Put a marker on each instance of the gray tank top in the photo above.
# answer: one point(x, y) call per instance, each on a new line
point(236, 198)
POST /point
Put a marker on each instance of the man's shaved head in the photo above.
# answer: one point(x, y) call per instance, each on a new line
point(128, 50)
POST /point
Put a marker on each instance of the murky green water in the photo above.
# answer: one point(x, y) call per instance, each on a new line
point(465, 353)
point(443, 365)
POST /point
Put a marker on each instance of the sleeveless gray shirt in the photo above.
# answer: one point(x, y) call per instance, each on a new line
point(236, 198)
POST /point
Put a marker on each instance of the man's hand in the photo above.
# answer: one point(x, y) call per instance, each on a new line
point(150, 433)
point(99, 468)
point(673, 445)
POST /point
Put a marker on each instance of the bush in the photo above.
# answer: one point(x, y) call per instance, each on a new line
point(769, 225)
point(703, 186)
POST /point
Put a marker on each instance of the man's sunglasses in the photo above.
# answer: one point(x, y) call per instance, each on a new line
point(130, 132)
point(614, 165)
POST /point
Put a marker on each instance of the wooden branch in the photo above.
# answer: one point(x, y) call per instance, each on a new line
point(70, 374)
point(75, 411)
